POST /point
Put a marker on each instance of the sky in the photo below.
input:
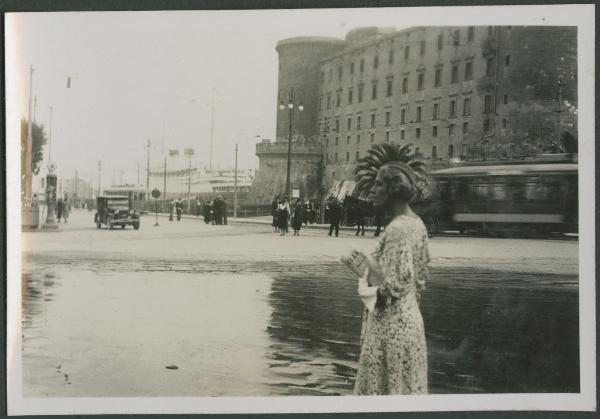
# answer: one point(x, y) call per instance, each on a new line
point(139, 76)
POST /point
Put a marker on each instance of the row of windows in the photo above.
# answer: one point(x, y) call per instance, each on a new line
point(437, 82)
point(488, 107)
point(455, 39)
point(487, 129)
point(335, 158)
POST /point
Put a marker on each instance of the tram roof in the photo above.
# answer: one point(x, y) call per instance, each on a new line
point(508, 169)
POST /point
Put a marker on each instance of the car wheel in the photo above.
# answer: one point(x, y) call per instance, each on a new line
point(98, 225)
point(122, 226)
point(109, 223)
point(136, 226)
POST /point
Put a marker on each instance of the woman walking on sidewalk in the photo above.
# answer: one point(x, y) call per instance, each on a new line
point(393, 355)
point(297, 217)
point(283, 213)
point(274, 209)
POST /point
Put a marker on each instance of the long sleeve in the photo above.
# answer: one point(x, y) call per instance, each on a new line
point(397, 267)
point(395, 253)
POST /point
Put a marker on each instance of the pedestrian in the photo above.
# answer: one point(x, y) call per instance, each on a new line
point(225, 209)
point(206, 212)
point(274, 206)
point(393, 354)
point(66, 209)
point(179, 208)
point(334, 210)
point(360, 216)
point(306, 213)
point(283, 212)
point(218, 210)
point(171, 209)
point(60, 206)
point(297, 217)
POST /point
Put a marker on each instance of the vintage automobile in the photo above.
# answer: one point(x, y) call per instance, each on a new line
point(115, 211)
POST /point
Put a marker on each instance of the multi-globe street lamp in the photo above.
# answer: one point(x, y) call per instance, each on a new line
point(294, 101)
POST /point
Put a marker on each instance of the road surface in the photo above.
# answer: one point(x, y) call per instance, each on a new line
point(189, 309)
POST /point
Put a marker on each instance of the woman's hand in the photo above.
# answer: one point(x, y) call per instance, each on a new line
point(359, 262)
point(356, 262)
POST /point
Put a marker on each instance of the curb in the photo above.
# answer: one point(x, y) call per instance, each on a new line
point(263, 222)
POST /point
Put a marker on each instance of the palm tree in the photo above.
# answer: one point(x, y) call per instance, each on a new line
point(366, 169)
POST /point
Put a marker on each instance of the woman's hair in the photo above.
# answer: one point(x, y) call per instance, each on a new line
point(400, 181)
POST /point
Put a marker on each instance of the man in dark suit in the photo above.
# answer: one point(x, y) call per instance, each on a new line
point(334, 210)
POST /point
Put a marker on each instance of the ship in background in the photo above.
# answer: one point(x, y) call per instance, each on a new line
point(182, 177)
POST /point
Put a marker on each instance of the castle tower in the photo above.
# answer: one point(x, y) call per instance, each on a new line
point(300, 71)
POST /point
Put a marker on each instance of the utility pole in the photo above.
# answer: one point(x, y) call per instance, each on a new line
point(29, 153)
point(165, 180)
point(99, 173)
point(76, 181)
point(138, 167)
point(50, 139)
point(34, 107)
point(148, 172)
point(212, 122)
point(289, 156)
point(235, 202)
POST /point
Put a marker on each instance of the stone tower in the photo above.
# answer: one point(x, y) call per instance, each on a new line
point(300, 71)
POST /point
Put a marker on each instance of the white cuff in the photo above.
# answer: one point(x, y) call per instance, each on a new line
point(367, 294)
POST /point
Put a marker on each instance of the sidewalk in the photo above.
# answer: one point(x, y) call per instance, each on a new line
point(266, 220)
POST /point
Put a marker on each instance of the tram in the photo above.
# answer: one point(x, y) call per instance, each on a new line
point(513, 197)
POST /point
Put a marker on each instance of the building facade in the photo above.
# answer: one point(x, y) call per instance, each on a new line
point(453, 93)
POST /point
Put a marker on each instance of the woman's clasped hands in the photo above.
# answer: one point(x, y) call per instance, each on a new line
point(358, 262)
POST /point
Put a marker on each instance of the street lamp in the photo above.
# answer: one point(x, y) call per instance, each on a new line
point(294, 101)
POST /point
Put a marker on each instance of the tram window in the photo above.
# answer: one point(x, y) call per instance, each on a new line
point(478, 191)
point(516, 191)
point(462, 189)
point(496, 191)
point(542, 191)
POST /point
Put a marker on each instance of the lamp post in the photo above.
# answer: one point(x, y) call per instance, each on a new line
point(235, 199)
point(294, 100)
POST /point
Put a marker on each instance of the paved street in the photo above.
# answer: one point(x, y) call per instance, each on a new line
point(188, 309)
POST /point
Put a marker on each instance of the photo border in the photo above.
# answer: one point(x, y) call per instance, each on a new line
point(302, 404)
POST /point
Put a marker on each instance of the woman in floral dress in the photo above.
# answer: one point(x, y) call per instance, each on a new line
point(393, 356)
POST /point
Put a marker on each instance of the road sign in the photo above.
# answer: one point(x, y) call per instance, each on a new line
point(155, 193)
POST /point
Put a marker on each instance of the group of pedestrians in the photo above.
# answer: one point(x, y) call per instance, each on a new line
point(297, 213)
point(215, 211)
point(284, 214)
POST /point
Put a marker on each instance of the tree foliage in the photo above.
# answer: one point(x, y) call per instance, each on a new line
point(38, 141)
point(367, 167)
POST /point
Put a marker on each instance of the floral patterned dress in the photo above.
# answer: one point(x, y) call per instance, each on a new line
point(393, 356)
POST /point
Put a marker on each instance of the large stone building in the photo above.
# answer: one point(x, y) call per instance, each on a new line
point(453, 93)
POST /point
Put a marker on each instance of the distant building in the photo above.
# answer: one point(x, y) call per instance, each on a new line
point(77, 190)
point(454, 93)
